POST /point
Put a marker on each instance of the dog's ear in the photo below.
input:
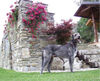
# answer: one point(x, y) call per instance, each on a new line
point(72, 36)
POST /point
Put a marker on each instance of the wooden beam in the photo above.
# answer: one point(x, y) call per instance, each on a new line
point(84, 10)
point(89, 23)
point(95, 28)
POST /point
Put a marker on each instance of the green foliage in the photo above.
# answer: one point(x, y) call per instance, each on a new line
point(99, 28)
point(8, 75)
point(15, 14)
point(87, 33)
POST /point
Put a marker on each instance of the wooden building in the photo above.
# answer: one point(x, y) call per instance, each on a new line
point(90, 10)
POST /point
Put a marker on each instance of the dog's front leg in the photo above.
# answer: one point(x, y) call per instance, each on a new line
point(49, 64)
point(71, 61)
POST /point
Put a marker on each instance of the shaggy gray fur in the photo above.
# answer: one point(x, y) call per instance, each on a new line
point(68, 51)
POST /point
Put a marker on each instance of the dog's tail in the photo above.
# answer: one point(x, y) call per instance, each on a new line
point(42, 59)
point(42, 62)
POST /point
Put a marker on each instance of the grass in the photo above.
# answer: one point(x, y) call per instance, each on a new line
point(9, 75)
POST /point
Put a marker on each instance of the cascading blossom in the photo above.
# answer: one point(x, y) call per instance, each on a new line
point(35, 15)
point(13, 15)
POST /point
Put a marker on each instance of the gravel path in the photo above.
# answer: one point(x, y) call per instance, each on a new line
point(87, 69)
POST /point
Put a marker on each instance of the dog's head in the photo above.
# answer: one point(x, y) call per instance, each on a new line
point(76, 37)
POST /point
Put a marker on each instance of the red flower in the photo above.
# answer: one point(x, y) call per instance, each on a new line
point(10, 16)
point(32, 15)
point(42, 22)
point(32, 9)
point(37, 9)
point(36, 13)
point(7, 14)
point(28, 23)
point(44, 18)
point(11, 6)
point(13, 10)
point(15, 2)
point(24, 20)
point(33, 36)
point(39, 12)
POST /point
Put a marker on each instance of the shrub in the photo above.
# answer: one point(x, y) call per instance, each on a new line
point(87, 33)
point(61, 32)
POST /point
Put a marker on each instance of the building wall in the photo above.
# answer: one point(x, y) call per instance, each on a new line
point(20, 51)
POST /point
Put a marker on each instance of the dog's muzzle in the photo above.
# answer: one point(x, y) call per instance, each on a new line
point(78, 39)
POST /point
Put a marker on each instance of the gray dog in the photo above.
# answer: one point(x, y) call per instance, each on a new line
point(68, 50)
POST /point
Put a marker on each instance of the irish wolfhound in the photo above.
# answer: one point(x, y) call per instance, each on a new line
point(68, 50)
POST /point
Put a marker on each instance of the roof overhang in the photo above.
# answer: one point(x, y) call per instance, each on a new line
point(86, 8)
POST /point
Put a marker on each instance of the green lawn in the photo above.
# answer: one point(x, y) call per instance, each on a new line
point(8, 75)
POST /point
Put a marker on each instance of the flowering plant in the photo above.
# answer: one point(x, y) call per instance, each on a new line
point(13, 15)
point(60, 32)
point(35, 15)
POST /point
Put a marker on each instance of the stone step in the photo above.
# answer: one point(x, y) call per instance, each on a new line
point(91, 58)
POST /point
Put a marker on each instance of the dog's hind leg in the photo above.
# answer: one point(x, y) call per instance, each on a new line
point(49, 64)
point(45, 59)
point(71, 61)
point(42, 63)
point(63, 63)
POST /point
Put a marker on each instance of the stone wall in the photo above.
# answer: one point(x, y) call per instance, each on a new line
point(90, 54)
point(20, 51)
